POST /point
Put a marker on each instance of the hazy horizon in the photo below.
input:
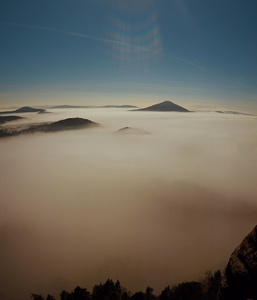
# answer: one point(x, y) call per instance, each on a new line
point(81, 206)
point(192, 107)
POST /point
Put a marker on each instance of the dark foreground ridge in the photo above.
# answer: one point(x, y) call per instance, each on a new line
point(237, 282)
point(164, 106)
point(110, 290)
point(6, 119)
point(66, 124)
point(24, 109)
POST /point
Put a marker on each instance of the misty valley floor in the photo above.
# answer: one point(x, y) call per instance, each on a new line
point(152, 206)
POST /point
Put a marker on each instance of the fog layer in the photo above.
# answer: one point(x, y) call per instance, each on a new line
point(152, 209)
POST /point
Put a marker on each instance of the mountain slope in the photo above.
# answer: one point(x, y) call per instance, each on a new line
point(165, 106)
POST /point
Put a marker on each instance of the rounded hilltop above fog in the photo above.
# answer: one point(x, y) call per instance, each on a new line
point(164, 106)
point(70, 123)
point(6, 119)
point(131, 130)
point(66, 124)
point(24, 109)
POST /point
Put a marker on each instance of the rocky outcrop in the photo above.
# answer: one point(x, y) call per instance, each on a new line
point(239, 279)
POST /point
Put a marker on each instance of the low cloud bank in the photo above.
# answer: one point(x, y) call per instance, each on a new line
point(78, 207)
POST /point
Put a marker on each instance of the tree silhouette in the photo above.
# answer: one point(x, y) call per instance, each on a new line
point(37, 297)
point(138, 296)
point(149, 293)
point(166, 294)
point(80, 294)
point(125, 296)
point(188, 290)
point(65, 295)
point(211, 285)
point(107, 291)
point(50, 297)
point(206, 289)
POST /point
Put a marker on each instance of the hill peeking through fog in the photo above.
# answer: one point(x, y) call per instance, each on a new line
point(149, 209)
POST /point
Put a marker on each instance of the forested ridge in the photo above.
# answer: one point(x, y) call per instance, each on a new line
point(206, 289)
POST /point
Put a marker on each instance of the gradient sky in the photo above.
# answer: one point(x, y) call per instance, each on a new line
point(197, 53)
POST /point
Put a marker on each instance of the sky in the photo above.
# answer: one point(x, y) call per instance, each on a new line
point(199, 53)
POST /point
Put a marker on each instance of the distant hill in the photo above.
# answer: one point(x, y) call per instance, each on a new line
point(66, 124)
point(92, 106)
point(9, 119)
point(130, 130)
point(24, 109)
point(233, 112)
point(69, 106)
point(117, 106)
point(164, 106)
point(71, 123)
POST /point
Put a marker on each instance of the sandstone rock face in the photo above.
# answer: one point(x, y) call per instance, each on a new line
point(239, 279)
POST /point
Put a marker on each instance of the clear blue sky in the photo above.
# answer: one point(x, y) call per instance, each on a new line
point(194, 52)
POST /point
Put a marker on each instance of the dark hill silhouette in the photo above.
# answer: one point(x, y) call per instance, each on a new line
point(71, 123)
point(9, 119)
point(24, 109)
point(92, 106)
point(116, 106)
point(164, 106)
point(231, 112)
point(70, 106)
point(130, 130)
point(66, 124)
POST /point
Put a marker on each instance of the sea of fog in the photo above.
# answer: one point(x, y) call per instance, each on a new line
point(150, 207)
